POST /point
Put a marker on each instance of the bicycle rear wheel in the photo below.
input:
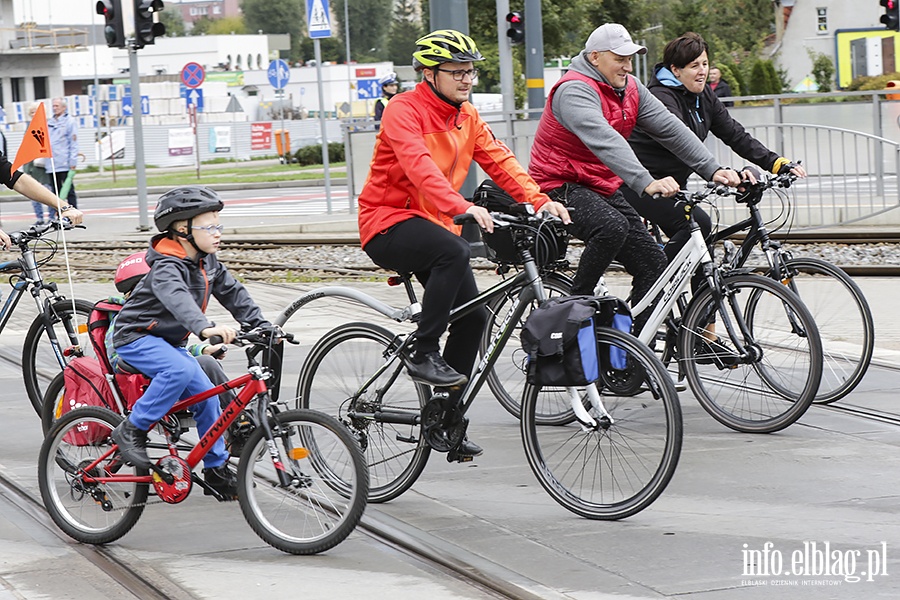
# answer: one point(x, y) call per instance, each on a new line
point(771, 388)
point(329, 483)
point(844, 319)
point(621, 466)
point(40, 361)
point(334, 380)
point(507, 377)
point(92, 513)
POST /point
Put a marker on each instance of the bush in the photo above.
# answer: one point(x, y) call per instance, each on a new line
point(730, 78)
point(822, 70)
point(312, 155)
point(868, 83)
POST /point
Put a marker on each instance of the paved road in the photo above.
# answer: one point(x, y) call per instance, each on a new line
point(831, 479)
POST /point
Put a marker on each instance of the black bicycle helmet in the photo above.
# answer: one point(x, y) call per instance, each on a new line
point(443, 46)
point(185, 203)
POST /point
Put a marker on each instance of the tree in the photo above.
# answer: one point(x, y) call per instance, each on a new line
point(173, 22)
point(227, 26)
point(406, 28)
point(277, 16)
point(822, 70)
point(370, 21)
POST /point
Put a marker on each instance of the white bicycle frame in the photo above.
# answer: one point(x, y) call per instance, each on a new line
point(673, 282)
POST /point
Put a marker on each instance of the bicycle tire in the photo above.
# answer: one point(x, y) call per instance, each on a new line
point(71, 505)
point(38, 359)
point(625, 466)
point(327, 496)
point(506, 378)
point(336, 368)
point(51, 407)
point(848, 337)
point(774, 389)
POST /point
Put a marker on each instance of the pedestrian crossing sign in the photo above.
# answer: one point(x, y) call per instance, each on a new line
point(317, 19)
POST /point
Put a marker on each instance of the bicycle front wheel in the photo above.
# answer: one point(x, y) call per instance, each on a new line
point(844, 319)
point(621, 465)
point(326, 495)
point(52, 405)
point(773, 385)
point(335, 379)
point(42, 352)
point(507, 377)
point(90, 512)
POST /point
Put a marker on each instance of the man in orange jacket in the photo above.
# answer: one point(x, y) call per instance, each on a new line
point(427, 141)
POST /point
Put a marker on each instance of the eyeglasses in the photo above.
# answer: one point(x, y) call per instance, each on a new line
point(210, 229)
point(461, 74)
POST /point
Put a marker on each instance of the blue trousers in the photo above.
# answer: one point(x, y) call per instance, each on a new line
point(175, 375)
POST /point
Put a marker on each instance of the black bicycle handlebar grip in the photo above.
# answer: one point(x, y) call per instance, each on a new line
point(215, 339)
point(464, 218)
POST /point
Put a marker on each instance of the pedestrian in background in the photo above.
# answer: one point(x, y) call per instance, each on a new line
point(64, 147)
point(719, 86)
point(389, 87)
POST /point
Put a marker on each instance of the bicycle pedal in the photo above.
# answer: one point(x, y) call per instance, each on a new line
point(408, 440)
point(453, 456)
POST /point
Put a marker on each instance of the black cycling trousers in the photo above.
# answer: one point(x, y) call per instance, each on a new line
point(611, 230)
point(670, 218)
point(440, 261)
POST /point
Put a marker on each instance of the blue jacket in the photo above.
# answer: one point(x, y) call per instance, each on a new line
point(63, 143)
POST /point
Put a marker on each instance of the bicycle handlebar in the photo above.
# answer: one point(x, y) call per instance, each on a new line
point(257, 336)
point(36, 231)
point(501, 219)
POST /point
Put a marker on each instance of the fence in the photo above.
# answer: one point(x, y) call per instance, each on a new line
point(845, 147)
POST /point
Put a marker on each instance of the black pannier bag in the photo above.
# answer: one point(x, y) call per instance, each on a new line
point(548, 241)
point(559, 339)
point(615, 313)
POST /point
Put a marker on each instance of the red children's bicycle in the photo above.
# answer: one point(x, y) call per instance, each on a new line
point(302, 479)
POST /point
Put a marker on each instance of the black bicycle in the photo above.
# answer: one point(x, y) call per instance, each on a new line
point(53, 336)
point(836, 303)
point(610, 456)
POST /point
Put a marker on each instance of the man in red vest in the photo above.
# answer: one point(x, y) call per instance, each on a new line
point(581, 158)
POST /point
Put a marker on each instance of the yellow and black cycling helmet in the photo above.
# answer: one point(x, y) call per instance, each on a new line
point(443, 46)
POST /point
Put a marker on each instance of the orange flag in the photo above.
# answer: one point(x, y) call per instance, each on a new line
point(36, 143)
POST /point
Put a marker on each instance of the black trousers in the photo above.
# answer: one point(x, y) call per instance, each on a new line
point(440, 261)
point(611, 230)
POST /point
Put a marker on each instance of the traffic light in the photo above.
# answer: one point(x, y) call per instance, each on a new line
point(516, 31)
point(114, 31)
point(146, 29)
point(891, 16)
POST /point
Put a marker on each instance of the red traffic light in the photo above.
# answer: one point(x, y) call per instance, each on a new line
point(516, 31)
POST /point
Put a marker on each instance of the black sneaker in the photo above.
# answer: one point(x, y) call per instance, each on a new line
point(132, 444)
point(716, 352)
point(465, 452)
point(222, 480)
point(431, 369)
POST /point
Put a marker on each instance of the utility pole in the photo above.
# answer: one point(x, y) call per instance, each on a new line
point(507, 85)
point(534, 57)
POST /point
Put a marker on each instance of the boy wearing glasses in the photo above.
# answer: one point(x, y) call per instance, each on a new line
point(166, 306)
point(427, 141)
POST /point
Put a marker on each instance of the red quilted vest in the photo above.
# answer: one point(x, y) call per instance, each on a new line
point(558, 156)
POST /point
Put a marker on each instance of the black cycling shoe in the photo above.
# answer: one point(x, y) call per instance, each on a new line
point(716, 352)
point(465, 452)
point(222, 480)
point(132, 443)
point(431, 369)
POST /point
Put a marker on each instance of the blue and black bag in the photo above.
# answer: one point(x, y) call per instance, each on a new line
point(560, 341)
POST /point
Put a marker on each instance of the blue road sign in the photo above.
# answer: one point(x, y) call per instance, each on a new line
point(367, 89)
point(195, 97)
point(128, 106)
point(192, 75)
point(279, 74)
point(317, 18)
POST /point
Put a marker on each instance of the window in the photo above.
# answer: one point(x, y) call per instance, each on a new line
point(40, 87)
point(17, 85)
point(217, 10)
point(822, 21)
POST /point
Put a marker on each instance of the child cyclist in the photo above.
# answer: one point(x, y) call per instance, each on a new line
point(164, 309)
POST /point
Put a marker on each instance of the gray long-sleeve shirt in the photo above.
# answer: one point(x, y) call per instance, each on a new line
point(579, 109)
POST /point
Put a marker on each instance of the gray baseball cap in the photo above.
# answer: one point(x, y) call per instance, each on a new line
point(615, 38)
